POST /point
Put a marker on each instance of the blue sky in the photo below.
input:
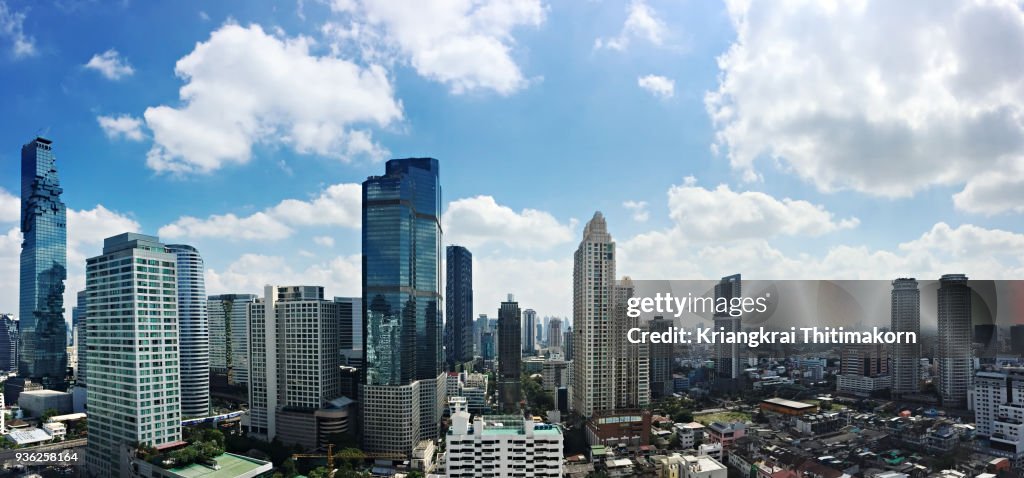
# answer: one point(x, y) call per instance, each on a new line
point(804, 140)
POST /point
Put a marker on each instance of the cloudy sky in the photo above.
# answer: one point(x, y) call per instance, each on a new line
point(782, 139)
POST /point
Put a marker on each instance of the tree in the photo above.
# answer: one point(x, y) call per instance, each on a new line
point(49, 413)
point(319, 472)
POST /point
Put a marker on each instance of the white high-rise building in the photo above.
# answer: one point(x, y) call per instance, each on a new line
point(502, 445)
point(632, 368)
point(134, 392)
point(997, 399)
point(905, 313)
point(593, 332)
point(295, 365)
point(194, 332)
point(229, 335)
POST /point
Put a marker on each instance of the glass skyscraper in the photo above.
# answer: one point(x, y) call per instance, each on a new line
point(43, 354)
point(458, 306)
point(194, 332)
point(403, 392)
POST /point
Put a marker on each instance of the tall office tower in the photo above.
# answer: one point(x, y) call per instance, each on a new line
point(509, 355)
point(632, 362)
point(728, 357)
point(487, 346)
point(540, 334)
point(480, 326)
point(229, 335)
point(661, 360)
point(8, 343)
point(905, 314)
point(43, 354)
point(954, 340)
point(295, 368)
point(78, 317)
point(529, 332)
point(1017, 339)
point(351, 328)
point(567, 343)
point(134, 392)
point(404, 385)
point(998, 404)
point(594, 358)
point(555, 333)
point(194, 332)
point(459, 306)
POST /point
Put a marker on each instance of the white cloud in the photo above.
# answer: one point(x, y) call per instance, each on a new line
point(10, 248)
point(467, 45)
point(881, 97)
point(244, 86)
point(340, 276)
point(642, 22)
point(996, 190)
point(121, 126)
point(721, 213)
point(10, 207)
point(338, 205)
point(658, 86)
point(111, 65)
point(542, 285)
point(12, 28)
point(325, 241)
point(638, 209)
point(481, 220)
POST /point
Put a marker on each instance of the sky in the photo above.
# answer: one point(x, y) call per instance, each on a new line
point(778, 139)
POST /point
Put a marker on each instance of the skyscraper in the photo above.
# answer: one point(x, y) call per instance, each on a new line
point(295, 365)
point(509, 355)
point(529, 332)
point(661, 360)
point(632, 362)
point(955, 372)
point(593, 356)
point(905, 314)
point(229, 336)
point(403, 393)
point(81, 343)
point(1017, 339)
point(459, 306)
point(555, 334)
point(728, 357)
point(8, 343)
point(134, 391)
point(351, 331)
point(194, 332)
point(43, 354)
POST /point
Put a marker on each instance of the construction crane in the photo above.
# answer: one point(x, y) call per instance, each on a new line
point(329, 456)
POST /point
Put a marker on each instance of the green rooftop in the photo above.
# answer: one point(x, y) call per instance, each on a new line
point(229, 466)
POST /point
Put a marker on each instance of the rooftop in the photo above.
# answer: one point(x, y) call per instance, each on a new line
point(228, 465)
point(787, 403)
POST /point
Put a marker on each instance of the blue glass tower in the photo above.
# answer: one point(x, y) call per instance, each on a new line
point(403, 389)
point(43, 267)
point(458, 345)
point(401, 281)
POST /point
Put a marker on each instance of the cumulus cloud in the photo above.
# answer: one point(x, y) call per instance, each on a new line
point(885, 98)
point(325, 241)
point(110, 64)
point(244, 86)
point(715, 214)
point(10, 207)
point(12, 29)
point(642, 23)
point(121, 126)
point(481, 220)
point(338, 205)
point(340, 276)
point(638, 209)
point(994, 191)
point(467, 45)
point(658, 86)
point(542, 285)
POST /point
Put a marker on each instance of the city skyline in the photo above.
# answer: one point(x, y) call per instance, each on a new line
point(280, 209)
